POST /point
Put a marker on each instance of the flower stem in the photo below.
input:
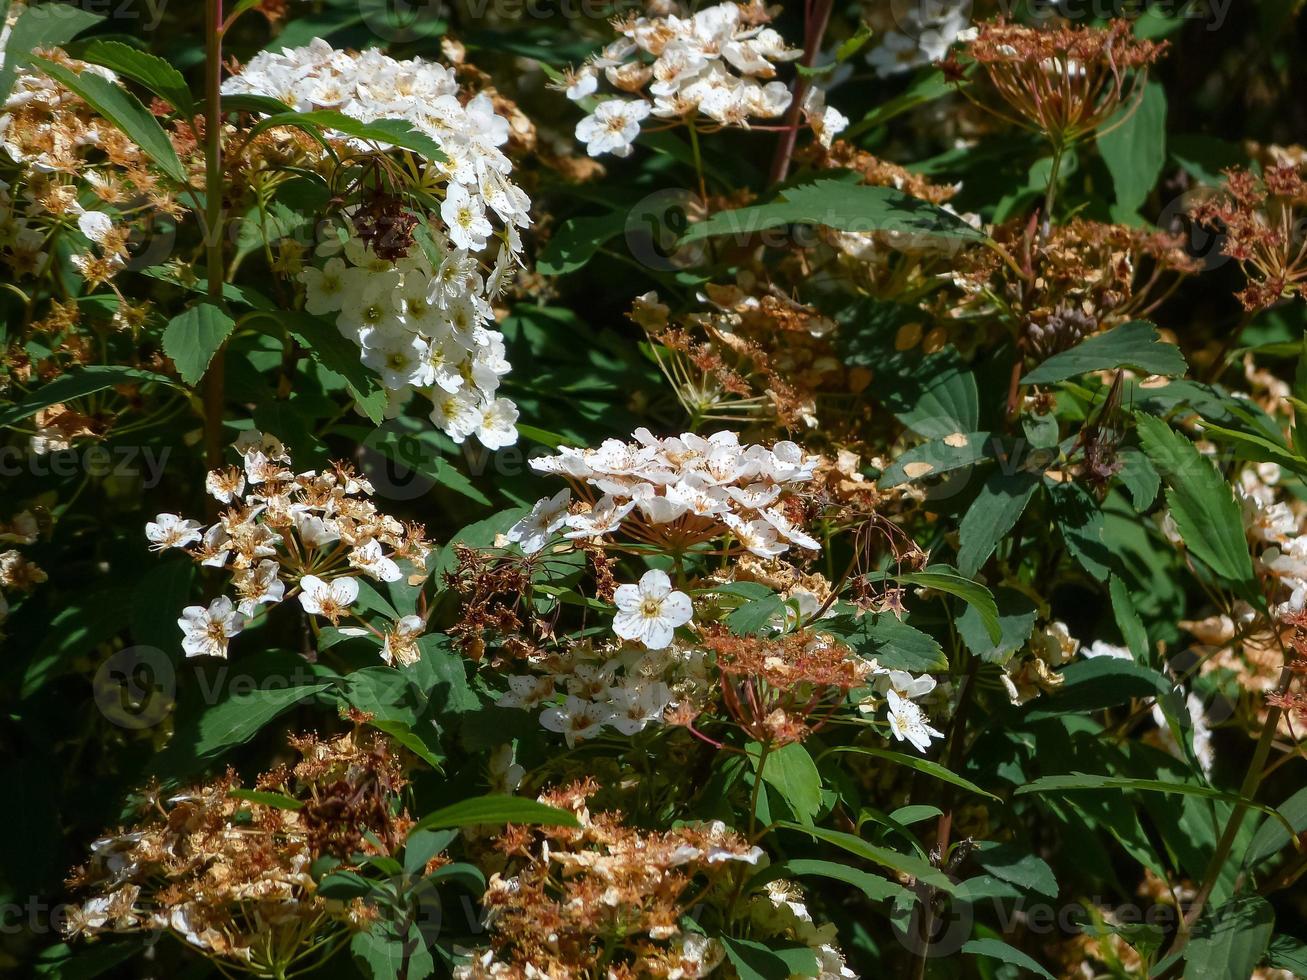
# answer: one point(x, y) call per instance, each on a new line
point(214, 378)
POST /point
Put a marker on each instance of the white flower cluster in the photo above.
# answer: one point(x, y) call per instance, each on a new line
point(423, 321)
point(926, 33)
point(1270, 521)
point(626, 689)
point(33, 89)
point(718, 63)
point(780, 909)
point(422, 328)
point(899, 691)
point(286, 534)
point(680, 490)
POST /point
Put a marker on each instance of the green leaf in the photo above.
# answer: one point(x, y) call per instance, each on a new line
point(496, 809)
point(1287, 953)
point(752, 616)
point(916, 763)
point(792, 773)
point(397, 132)
point(1013, 864)
point(936, 457)
point(1128, 621)
point(941, 578)
point(998, 950)
point(1078, 781)
point(890, 641)
point(382, 953)
point(993, 513)
point(577, 240)
point(1080, 521)
point(1133, 145)
point(757, 961)
point(1203, 506)
point(937, 398)
point(1271, 836)
point(193, 337)
point(325, 343)
point(124, 110)
point(926, 87)
point(1016, 621)
point(1229, 941)
point(876, 888)
point(239, 717)
point(908, 864)
point(276, 800)
point(75, 384)
point(1135, 345)
point(40, 25)
point(159, 76)
point(842, 206)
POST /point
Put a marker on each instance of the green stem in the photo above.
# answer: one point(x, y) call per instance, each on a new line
point(698, 162)
point(1247, 792)
point(757, 786)
point(1050, 195)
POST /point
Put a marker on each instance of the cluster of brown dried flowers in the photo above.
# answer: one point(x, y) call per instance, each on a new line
point(1064, 82)
point(1259, 219)
point(18, 574)
point(781, 689)
point(1058, 287)
point(228, 872)
point(605, 899)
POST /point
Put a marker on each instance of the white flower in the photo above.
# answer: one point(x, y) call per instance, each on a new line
point(1100, 649)
point(170, 531)
point(547, 517)
point(504, 772)
point(370, 560)
point(95, 225)
point(908, 722)
point(525, 691)
point(466, 218)
point(575, 719)
point(651, 611)
point(400, 645)
point(205, 632)
point(258, 585)
point(612, 127)
point(902, 683)
point(583, 83)
point(633, 708)
point(329, 599)
point(498, 424)
point(316, 531)
point(400, 358)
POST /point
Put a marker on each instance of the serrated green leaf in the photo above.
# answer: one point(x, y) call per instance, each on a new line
point(792, 773)
point(845, 207)
point(396, 132)
point(124, 110)
point(1133, 145)
point(1202, 504)
point(993, 513)
point(192, 338)
point(1135, 345)
point(159, 76)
